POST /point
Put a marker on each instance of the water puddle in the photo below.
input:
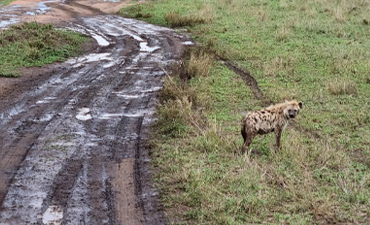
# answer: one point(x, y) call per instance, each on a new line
point(108, 116)
point(8, 115)
point(41, 102)
point(102, 41)
point(101, 77)
point(114, 30)
point(126, 96)
point(84, 114)
point(44, 118)
point(45, 100)
point(145, 48)
point(94, 57)
point(53, 216)
point(188, 43)
point(149, 90)
point(10, 14)
point(110, 64)
point(6, 23)
point(42, 8)
point(138, 113)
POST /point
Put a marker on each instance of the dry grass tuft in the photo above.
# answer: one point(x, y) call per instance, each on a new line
point(262, 15)
point(197, 63)
point(213, 139)
point(274, 66)
point(175, 89)
point(172, 117)
point(177, 20)
point(177, 117)
point(280, 64)
point(339, 15)
point(180, 106)
point(200, 63)
point(342, 87)
point(282, 33)
point(204, 15)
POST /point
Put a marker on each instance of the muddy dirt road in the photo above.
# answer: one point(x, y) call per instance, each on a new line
point(72, 139)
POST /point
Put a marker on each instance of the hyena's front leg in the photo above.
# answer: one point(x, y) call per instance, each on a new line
point(278, 132)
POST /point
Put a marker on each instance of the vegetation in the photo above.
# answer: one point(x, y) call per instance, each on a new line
point(5, 2)
point(313, 51)
point(34, 44)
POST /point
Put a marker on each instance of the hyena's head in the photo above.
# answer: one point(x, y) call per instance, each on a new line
point(292, 108)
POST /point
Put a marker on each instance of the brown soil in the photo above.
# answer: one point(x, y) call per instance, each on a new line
point(67, 12)
point(73, 134)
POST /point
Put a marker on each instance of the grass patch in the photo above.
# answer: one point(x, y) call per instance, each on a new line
point(135, 11)
point(175, 19)
point(200, 63)
point(313, 51)
point(5, 2)
point(181, 107)
point(342, 87)
point(34, 44)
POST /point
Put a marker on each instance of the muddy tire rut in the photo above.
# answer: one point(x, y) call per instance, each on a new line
point(72, 143)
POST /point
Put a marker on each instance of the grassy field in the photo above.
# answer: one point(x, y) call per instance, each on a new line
point(313, 51)
point(34, 44)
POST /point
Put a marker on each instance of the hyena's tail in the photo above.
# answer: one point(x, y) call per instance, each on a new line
point(243, 129)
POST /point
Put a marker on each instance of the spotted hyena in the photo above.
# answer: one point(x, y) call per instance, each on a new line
point(271, 119)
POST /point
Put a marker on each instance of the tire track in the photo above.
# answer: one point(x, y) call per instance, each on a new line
point(78, 155)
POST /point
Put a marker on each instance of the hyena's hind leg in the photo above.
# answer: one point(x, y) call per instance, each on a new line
point(247, 136)
point(244, 134)
point(247, 141)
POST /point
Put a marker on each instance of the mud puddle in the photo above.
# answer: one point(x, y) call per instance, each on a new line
point(72, 144)
point(57, 11)
point(15, 13)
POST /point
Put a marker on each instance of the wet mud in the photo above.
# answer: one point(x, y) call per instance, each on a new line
point(73, 137)
point(57, 11)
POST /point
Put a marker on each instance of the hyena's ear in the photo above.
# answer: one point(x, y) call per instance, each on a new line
point(300, 104)
point(287, 102)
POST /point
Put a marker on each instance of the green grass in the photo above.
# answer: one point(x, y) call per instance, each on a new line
point(34, 44)
point(313, 51)
point(5, 2)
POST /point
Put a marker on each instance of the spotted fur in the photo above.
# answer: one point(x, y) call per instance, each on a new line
point(271, 119)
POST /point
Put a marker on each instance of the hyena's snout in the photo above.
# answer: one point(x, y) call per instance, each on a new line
point(293, 113)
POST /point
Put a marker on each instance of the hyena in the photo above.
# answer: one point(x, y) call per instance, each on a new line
point(271, 119)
